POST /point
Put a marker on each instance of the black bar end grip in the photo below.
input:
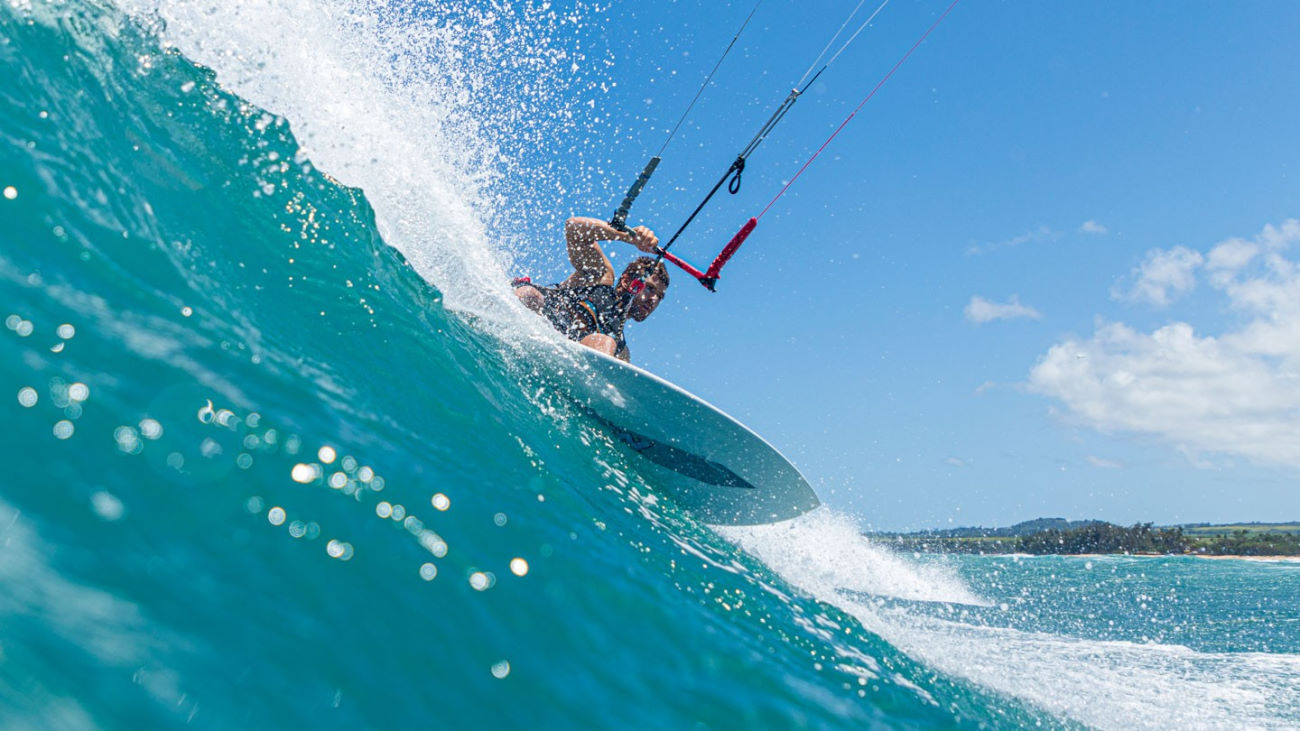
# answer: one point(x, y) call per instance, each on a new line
point(619, 221)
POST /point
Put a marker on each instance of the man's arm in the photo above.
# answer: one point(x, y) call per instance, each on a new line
point(607, 345)
point(590, 265)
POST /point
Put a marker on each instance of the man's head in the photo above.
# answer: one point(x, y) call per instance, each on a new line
point(655, 277)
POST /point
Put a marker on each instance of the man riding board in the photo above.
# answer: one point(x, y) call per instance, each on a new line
point(591, 306)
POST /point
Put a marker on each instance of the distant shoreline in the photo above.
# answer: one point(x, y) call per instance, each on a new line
point(1240, 557)
point(1284, 559)
point(1266, 559)
point(1059, 537)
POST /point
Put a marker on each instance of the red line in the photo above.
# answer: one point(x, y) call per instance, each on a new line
point(860, 105)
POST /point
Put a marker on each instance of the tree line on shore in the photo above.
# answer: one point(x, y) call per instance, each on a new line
point(1102, 537)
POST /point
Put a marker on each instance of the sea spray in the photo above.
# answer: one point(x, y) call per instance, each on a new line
point(458, 122)
point(825, 553)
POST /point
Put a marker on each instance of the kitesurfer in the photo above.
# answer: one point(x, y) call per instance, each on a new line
point(591, 305)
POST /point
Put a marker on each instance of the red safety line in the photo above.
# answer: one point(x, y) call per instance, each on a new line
point(860, 105)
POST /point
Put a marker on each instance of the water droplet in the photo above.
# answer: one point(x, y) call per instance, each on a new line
point(428, 571)
point(304, 473)
point(501, 669)
point(433, 543)
point(150, 429)
point(107, 506)
point(28, 397)
point(518, 566)
point(441, 502)
point(275, 516)
point(63, 429)
point(339, 549)
point(128, 441)
point(11, 192)
point(326, 454)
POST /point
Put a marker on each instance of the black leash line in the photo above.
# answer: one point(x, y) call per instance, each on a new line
point(619, 221)
point(737, 167)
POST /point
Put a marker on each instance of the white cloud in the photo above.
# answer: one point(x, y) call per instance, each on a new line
point(1092, 227)
point(981, 310)
point(1103, 463)
point(1042, 233)
point(1231, 256)
point(1237, 393)
point(1163, 275)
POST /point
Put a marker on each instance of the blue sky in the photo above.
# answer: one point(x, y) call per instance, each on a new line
point(1010, 287)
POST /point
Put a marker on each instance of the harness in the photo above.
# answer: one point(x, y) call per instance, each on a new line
point(581, 311)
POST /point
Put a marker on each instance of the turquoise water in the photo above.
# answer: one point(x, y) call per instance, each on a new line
point(273, 456)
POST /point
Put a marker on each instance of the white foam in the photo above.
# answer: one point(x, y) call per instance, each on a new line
point(1118, 685)
point(825, 553)
point(1108, 685)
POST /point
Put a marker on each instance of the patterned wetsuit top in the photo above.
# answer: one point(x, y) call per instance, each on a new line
point(580, 311)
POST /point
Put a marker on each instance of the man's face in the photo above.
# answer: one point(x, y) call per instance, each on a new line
point(645, 301)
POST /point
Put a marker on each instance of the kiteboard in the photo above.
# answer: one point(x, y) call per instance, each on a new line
point(710, 464)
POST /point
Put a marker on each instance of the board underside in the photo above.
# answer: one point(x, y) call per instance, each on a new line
point(709, 463)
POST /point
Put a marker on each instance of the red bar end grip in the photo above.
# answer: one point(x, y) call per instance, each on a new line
point(716, 267)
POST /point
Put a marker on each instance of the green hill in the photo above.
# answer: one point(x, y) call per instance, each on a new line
point(1060, 536)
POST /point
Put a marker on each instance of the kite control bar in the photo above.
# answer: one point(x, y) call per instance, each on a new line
point(710, 278)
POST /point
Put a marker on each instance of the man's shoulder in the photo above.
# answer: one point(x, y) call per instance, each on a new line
point(581, 279)
point(592, 287)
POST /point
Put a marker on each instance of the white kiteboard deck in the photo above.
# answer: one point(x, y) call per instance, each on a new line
point(712, 465)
